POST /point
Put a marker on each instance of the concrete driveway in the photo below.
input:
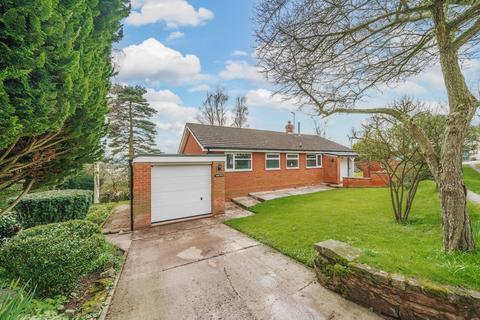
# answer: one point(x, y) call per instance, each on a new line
point(203, 269)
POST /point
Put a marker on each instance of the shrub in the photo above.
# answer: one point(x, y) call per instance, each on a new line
point(9, 226)
point(53, 206)
point(99, 213)
point(83, 181)
point(55, 256)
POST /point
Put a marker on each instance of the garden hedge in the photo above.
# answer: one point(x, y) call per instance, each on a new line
point(55, 256)
point(53, 206)
point(9, 226)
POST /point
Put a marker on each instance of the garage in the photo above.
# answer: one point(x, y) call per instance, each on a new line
point(170, 188)
point(181, 191)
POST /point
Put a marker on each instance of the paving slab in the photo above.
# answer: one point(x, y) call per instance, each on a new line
point(245, 202)
point(118, 220)
point(281, 193)
point(211, 271)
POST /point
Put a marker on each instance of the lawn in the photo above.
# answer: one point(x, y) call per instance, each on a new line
point(363, 218)
point(472, 179)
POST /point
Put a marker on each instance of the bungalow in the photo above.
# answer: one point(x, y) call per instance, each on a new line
point(215, 164)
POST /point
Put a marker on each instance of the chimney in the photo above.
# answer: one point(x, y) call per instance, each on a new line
point(289, 128)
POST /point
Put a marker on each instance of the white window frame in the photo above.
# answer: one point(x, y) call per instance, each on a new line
point(316, 160)
point(297, 158)
point(234, 158)
point(278, 158)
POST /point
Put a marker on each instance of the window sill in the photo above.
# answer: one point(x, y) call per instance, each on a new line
point(273, 169)
point(314, 167)
point(239, 170)
point(293, 168)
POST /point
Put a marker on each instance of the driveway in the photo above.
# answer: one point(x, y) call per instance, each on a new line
point(203, 269)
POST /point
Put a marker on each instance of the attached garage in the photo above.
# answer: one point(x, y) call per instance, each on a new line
point(168, 188)
point(181, 191)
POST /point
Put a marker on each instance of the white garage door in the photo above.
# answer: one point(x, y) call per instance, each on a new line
point(180, 191)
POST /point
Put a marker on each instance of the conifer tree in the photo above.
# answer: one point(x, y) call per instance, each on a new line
point(131, 130)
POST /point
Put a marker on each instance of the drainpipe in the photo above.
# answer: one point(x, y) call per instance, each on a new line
point(130, 167)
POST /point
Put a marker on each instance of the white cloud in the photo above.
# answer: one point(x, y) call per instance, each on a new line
point(170, 119)
point(199, 88)
point(235, 69)
point(239, 53)
point(175, 35)
point(174, 13)
point(153, 62)
point(262, 98)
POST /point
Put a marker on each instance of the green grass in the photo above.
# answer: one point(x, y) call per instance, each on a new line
point(471, 179)
point(364, 219)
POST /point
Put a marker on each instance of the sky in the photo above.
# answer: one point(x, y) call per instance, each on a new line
point(179, 49)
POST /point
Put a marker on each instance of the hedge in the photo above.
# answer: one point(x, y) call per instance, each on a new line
point(53, 206)
point(9, 226)
point(55, 256)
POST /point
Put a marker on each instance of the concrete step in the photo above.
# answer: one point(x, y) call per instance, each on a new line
point(245, 202)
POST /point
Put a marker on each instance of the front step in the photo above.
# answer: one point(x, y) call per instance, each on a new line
point(245, 202)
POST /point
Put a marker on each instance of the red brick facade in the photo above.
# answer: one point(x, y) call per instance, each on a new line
point(259, 179)
point(375, 180)
point(142, 192)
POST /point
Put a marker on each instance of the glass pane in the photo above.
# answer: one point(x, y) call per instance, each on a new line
point(319, 160)
point(272, 156)
point(311, 163)
point(311, 156)
point(273, 164)
point(292, 156)
point(292, 163)
point(243, 156)
point(229, 161)
point(242, 164)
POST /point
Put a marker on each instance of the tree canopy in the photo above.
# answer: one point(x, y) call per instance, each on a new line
point(55, 71)
point(131, 130)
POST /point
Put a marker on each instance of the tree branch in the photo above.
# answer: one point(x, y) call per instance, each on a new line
point(466, 35)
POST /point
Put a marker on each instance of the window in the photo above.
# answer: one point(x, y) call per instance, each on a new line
point(239, 162)
point(314, 160)
point(292, 161)
point(272, 161)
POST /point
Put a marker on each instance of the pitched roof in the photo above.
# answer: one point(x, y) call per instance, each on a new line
point(216, 137)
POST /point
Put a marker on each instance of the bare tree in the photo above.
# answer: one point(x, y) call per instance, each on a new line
point(320, 126)
point(240, 113)
point(330, 53)
point(213, 110)
point(384, 139)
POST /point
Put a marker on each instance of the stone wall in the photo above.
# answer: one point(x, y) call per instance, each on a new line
point(391, 295)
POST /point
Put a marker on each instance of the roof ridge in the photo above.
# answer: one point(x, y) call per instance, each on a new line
point(253, 129)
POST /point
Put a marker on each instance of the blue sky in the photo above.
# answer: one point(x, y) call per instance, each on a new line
point(178, 49)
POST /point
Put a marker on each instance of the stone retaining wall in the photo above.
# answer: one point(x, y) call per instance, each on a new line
point(391, 295)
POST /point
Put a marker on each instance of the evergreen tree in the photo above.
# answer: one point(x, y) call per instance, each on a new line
point(55, 69)
point(131, 131)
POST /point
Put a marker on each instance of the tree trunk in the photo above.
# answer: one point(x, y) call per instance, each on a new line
point(96, 182)
point(457, 229)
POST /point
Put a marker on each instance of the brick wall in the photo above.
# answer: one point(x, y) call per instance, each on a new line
point(218, 188)
point(260, 179)
point(142, 194)
point(191, 146)
point(375, 180)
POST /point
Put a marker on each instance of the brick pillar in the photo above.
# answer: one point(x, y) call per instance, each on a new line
point(218, 187)
point(142, 195)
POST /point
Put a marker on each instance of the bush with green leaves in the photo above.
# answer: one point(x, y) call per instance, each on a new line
point(9, 226)
point(55, 256)
point(82, 180)
point(53, 206)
